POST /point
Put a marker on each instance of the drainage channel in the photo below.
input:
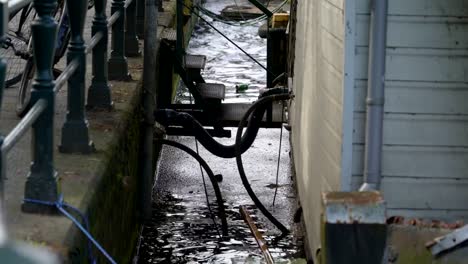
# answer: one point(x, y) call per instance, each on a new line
point(181, 229)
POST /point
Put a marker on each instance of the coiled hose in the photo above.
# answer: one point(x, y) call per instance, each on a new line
point(171, 117)
point(260, 104)
point(219, 197)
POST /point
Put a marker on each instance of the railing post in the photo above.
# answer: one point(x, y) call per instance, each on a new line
point(99, 93)
point(180, 42)
point(140, 18)
point(118, 67)
point(42, 183)
point(3, 28)
point(75, 135)
point(131, 39)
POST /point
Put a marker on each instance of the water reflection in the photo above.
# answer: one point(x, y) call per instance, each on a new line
point(225, 63)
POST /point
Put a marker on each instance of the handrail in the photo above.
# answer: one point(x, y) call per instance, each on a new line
point(94, 42)
point(127, 3)
point(65, 75)
point(41, 115)
point(22, 127)
point(114, 18)
point(16, 5)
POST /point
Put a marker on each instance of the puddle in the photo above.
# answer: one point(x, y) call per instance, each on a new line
point(181, 231)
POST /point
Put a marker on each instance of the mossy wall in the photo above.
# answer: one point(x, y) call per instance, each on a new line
point(112, 212)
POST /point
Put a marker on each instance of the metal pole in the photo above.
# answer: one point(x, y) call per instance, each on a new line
point(99, 93)
point(42, 183)
point(149, 103)
point(3, 28)
point(131, 40)
point(118, 66)
point(75, 134)
point(180, 42)
point(140, 18)
point(375, 96)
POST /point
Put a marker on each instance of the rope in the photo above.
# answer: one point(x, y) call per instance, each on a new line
point(227, 38)
point(206, 194)
point(204, 187)
point(279, 156)
point(62, 206)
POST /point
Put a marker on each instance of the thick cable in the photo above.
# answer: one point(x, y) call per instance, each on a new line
point(170, 117)
point(219, 197)
point(260, 103)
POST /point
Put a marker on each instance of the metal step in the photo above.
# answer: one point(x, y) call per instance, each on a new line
point(212, 90)
point(180, 131)
point(196, 62)
point(230, 114)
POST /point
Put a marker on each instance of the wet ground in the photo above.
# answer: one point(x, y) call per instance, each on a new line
point(182, 229)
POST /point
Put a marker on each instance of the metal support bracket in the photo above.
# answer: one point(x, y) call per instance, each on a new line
point(447, 242)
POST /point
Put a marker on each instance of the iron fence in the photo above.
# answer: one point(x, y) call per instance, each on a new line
point(41, 183)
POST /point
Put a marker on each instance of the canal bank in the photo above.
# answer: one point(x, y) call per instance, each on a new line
point(103, 185)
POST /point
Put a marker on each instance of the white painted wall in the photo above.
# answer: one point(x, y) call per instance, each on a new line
point(425, 153)
point(321, 151)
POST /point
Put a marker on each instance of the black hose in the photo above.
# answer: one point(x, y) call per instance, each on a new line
point(171, 117)
point(258, 105)
point(219, 197)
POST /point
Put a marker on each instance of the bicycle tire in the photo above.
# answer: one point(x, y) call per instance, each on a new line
point(23, 100)
point(18, 36)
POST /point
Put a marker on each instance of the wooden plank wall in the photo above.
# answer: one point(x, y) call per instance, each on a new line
point(317, 110)
point(425, 153)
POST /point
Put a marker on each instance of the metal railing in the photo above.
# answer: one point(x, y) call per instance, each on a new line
point(42, 183)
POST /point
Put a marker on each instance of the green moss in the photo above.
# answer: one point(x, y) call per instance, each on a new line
point(112, 211)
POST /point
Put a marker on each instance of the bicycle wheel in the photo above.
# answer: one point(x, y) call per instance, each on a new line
point(24, 93)
point(15, 47)
point(23, 98)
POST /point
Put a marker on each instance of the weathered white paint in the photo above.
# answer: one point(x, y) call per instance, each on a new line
point(322, 152)
point(425, 152)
